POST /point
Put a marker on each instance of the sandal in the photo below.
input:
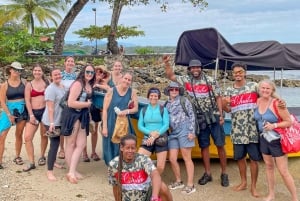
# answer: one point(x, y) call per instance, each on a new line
point(18, 160)
point(30, 166)
point(86, 158)
point(61, 155)
point(95, 157)
point(1, 166)
point(42, 161)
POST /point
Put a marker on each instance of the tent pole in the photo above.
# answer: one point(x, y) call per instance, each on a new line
point(281, 79)
point(216, 68)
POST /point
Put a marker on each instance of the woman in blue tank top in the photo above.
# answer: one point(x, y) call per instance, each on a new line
point(118, 96)
point(272, 153)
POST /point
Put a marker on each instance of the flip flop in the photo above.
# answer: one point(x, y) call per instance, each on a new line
point(61, 155)
point(29, 167)
point(18, 161)
point(42, 161)
point(95, 157)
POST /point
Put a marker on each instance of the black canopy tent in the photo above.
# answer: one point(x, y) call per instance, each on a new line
point(214, 51)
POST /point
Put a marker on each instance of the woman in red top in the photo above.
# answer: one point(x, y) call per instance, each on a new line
point(35, 104)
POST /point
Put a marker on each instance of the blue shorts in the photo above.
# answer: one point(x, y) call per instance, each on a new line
point(179, 138)
point(252, 149)
point(5, 122)
point(271, 148)
point(217, 133)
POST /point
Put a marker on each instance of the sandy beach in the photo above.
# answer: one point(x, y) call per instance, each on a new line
point(16, 185)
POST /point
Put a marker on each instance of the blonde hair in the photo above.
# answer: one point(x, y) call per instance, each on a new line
point(273, 86)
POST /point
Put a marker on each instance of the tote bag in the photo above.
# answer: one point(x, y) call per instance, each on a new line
point(290, 137)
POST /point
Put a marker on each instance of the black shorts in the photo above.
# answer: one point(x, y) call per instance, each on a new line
point(95, 114)
point(271, 148)
point(38, 114)
point(252, 149)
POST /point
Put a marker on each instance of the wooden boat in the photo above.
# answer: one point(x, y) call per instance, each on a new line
point(196, 150)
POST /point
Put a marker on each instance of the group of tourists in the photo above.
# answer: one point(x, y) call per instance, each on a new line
point(194, 110)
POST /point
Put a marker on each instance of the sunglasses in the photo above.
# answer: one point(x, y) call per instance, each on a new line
point(173, 89)
point(154, 91)
point(89, 72)
point(17, 70)
point(238, 72)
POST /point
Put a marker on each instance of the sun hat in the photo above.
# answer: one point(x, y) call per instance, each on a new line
point(195, 62)
point(16, 65)
point(173, 85)
point(103, 67)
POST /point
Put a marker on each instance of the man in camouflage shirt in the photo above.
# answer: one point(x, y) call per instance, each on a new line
point(206, 95)
point(240, 99)
point(139, 176)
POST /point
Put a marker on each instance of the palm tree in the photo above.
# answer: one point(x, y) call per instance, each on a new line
point(29, 11)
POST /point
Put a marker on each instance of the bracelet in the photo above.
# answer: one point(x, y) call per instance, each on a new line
point(128, 111)
point(51, 123)
point(31, 115)
point(275, 125)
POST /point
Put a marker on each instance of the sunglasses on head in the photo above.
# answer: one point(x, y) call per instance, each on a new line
point(173, 89)
point(89, 72)
point(17, 70)
point(154, 91)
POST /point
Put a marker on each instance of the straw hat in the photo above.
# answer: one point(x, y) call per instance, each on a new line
point(103, 67)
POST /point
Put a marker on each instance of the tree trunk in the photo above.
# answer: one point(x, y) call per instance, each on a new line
point(65, 25)
point(112, 44)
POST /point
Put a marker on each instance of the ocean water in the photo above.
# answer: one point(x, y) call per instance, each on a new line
point(290, 95)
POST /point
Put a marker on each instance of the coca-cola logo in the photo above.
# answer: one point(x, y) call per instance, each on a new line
point(242, 99)
point(198, 88)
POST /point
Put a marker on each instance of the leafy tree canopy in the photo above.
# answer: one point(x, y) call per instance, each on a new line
point(94, 32)
point(29, 11)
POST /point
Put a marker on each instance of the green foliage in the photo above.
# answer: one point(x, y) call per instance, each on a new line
point(27, 11)
point(98, 61)
point(144, 50)
point(94, 32)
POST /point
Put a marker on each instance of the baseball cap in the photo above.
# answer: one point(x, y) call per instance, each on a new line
point(16, 65)
point(195, 62)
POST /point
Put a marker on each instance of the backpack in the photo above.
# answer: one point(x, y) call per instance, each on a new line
point(161, 109)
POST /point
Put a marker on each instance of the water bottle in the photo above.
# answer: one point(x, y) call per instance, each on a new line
point(117, 110)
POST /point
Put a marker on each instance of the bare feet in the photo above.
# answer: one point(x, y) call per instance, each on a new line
point(269, 198)
point(78, 175)
point(59, 166)
point(240, 187)
point(51, 176)
point(71, 179)
point(254, 193)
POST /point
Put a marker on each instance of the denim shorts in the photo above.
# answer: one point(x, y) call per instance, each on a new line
point(252, 149)
point(271, 148)
point(214, 130)
point(179, 138)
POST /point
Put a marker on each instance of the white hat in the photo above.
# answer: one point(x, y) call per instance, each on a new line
point(16, 65)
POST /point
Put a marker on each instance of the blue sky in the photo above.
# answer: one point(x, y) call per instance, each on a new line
point(237, 21)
